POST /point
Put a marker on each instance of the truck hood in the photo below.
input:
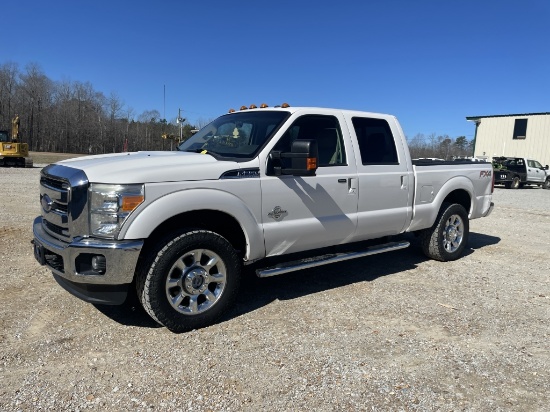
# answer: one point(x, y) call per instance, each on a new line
point(150, 167)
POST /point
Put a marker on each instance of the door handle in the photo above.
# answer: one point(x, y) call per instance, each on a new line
point(352, 186)
point(404, 182)
point(342, 180)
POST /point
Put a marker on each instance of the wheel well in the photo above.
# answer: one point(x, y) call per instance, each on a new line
point(215, 221)
point(461, 197)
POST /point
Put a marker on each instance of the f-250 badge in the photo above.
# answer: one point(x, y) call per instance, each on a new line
point(277, 213)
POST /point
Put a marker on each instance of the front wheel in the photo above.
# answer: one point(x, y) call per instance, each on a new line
point(190, 280)
point(546, 184)
point(447, 238)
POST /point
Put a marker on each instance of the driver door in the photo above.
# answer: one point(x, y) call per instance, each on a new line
point(308, 212)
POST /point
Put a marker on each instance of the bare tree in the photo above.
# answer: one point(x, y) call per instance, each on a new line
point(9, 73)
point(418, 146)
point(69, 116)
point(129, 117)
point(36, 92)
point(63, 96)
point(148, 119)
point(445, 143)
point(115, 105)
point(201, 122)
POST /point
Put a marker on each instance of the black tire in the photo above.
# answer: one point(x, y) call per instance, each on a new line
point(447, 238)
point(546, 184)
point(190, 280)
point(515, 184)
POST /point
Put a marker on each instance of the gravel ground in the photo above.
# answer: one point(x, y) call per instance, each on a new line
point(389, 332)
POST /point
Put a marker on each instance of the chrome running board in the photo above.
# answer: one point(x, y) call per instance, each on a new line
point(286, 267)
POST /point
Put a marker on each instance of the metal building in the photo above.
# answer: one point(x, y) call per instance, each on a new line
point(521, 135)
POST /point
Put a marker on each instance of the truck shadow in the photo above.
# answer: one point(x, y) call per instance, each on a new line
point(256, 292)
point(478, 241)
point(130, 313)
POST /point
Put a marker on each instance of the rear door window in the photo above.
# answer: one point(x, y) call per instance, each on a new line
point(376, 142)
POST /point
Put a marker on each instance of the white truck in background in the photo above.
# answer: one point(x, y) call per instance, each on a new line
point(285, 188)
point(516, 172)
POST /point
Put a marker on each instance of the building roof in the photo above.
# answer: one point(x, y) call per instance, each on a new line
point(507, 115)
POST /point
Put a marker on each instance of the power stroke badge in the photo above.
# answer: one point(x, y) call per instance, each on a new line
point(277, 213)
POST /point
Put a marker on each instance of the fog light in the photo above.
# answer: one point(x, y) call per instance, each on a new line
point(99, 263)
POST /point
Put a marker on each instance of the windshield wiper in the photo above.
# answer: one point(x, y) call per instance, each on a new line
point(203, 151)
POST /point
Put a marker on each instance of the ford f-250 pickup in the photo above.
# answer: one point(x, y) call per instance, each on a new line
point(283, 187)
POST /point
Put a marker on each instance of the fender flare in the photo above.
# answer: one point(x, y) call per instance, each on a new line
point(455, 183)
point(150, 215)
point(425, 214)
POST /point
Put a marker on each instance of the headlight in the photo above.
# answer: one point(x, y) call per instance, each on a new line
point(110, 205)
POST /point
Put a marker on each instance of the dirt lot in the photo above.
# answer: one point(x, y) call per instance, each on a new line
point(388, 332)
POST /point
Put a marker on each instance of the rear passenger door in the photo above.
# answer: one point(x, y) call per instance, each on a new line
point(385, 181)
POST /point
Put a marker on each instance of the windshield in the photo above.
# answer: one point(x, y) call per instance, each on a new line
point(237, 135)
point(4, 137)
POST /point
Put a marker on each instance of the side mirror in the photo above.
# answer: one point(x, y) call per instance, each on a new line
point(545, 167)
point(304, 157)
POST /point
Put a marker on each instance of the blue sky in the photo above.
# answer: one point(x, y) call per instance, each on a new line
point(431, 63)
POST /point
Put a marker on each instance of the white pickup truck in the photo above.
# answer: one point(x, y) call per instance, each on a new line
point(283, 187)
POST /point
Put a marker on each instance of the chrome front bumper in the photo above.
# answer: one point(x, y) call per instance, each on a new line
point(71, 263)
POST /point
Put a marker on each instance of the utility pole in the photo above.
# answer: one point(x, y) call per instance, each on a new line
point(180, 120)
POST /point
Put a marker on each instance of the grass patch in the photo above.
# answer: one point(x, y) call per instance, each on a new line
point(50, 157)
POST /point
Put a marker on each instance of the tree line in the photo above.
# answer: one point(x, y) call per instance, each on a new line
point(441, 147)
point(71, 117)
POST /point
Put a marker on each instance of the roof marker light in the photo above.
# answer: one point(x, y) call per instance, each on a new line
point(253, 106)
point(263, 106)
point(244, 108)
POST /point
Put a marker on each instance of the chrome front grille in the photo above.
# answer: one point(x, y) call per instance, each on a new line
point(53, 183)
point(63, 200)
point(54, 199)
point(57, 229)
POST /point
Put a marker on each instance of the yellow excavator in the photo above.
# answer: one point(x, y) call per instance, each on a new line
point(13, 153)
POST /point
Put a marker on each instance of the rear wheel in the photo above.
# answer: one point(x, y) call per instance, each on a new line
point(190, 281)
point(515, 183)
point(448, 236)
